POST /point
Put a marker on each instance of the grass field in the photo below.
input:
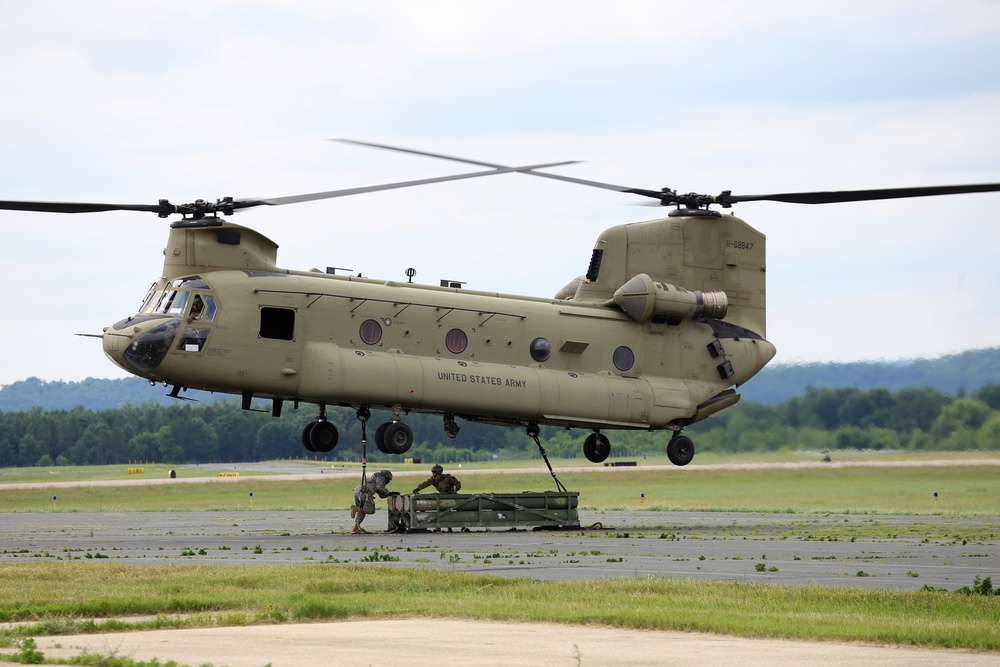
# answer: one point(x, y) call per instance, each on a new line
point(893, 487)
point(54, 597)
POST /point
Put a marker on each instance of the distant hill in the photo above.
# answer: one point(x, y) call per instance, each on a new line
point(93, 394)
point(953, 375)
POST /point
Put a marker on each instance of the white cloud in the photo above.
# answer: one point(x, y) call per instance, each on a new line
point(130, 102)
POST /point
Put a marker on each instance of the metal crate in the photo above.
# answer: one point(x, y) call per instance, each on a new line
point(547, 509)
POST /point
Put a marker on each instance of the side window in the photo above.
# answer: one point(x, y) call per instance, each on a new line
point(623, 358)
point(541, 349)
point(277, 323)
point(371, 332)
point(456, 341)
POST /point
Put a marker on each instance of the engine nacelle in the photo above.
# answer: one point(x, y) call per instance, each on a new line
point(644, 299)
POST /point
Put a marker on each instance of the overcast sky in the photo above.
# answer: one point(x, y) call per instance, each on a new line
point(131, 102)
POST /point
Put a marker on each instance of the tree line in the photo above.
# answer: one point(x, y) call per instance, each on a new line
point(818, 420)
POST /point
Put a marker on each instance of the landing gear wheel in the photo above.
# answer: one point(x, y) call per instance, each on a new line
point(323, 436)
point(397, 438)
point(680, 450)
point(379, 437)
point(596, 447)
point(305, 436)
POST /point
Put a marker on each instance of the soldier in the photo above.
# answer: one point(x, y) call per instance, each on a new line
point(440, 481)
point(364, 497)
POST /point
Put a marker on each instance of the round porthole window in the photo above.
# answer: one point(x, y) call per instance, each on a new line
point(456, 341)
point(624, 358)
point(541, 349)
point(371, 332)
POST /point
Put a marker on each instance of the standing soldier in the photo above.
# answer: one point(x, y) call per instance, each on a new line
point(440, 481)
point(364, 497)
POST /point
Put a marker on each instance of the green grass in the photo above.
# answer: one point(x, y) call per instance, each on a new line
point(963, 490)
point(58, 474)
point(54, 596)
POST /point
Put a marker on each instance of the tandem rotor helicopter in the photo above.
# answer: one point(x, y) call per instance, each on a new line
point(663, 328)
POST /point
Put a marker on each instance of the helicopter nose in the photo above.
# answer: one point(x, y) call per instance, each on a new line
point(140, 347)
point(767, 351)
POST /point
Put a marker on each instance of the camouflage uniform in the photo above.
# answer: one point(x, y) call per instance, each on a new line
point(442, 482)
point(364, 497)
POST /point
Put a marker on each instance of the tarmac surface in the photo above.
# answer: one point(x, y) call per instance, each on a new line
point(901, 552)
point(828, 549)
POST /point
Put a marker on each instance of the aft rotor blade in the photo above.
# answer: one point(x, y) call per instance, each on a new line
point(840, 196)
point(667, 197)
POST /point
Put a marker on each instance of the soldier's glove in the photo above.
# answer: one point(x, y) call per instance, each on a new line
point(394, 493)
point(416, 490)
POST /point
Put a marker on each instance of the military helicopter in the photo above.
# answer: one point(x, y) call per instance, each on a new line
point(666, 324)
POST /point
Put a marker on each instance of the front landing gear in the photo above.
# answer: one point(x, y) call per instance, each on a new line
point(319, 435)
point(680, 450)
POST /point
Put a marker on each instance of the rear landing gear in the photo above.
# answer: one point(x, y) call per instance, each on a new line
point(680, 450)
point(596, 447)
point(451, 429)
point(393, 438)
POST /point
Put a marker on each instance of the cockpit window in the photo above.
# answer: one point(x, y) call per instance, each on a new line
point(203, 308)
point(152, 296)
point(191, 282)
point(193, 339)
point(172, 302)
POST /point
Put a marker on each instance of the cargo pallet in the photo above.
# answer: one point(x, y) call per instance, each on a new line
point(435, 511)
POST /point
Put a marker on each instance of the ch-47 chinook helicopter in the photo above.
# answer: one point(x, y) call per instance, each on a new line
point(666, 324)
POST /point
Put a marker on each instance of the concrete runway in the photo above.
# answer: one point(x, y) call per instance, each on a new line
point(412, 643)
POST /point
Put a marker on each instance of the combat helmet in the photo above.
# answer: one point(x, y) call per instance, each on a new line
point(436, 469)
point(386, 474)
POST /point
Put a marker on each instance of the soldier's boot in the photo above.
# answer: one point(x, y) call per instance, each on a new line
point(354, 511)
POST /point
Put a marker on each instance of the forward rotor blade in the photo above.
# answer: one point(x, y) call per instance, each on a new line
point(294, 199)
point(78, 207)
point(165, 208)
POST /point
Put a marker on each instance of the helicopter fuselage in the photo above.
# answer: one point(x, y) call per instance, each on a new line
point(224, 318)
point(350, 341)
